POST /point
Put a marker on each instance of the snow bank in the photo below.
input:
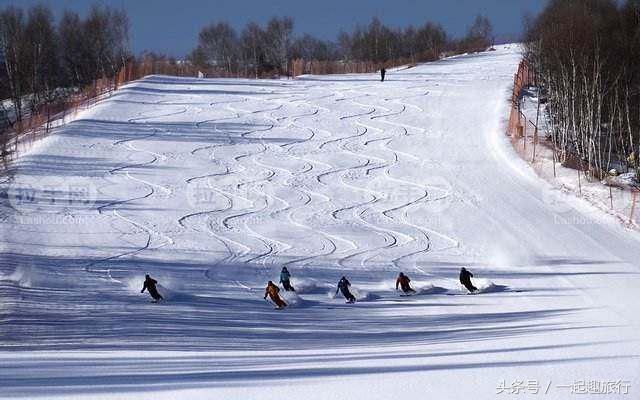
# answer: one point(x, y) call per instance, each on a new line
point(626, 181)
point(174, 295)
point(309, 286)
point(363, 295)
point(293, 300)
point(430, 289)
point(487, 286)
point(23, 275)
point(32, 277)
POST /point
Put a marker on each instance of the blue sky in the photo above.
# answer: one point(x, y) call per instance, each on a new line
point(171, 26)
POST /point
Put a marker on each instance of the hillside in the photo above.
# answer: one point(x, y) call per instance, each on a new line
point(211, 186)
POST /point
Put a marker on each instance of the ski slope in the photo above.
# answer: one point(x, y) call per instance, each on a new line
point(211, 186)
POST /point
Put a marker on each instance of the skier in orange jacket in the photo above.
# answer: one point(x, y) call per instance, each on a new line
point(403, 282)
point(272, 291)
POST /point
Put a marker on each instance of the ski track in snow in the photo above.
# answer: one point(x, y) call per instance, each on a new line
point(212, 185)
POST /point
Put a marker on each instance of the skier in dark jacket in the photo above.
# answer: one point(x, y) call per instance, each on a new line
point(383, 72)
point(465, 279)
point(403, 282)
point(285, 279)
point(150, 286)
point(343, 287)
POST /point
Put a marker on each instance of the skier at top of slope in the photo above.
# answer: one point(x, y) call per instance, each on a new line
point(273, 292)
point(150, 286)
point(465, 279)
point(403, 282)
point(285, 279)
point(343, 286)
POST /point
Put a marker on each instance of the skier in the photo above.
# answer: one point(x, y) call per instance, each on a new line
point(285, 279)
point(465, 279)
point(150, 286)
point(383, 72)
point(343, 286)
point(403, 282)
point(272, 291)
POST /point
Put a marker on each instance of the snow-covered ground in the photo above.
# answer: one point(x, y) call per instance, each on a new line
point(211, 186)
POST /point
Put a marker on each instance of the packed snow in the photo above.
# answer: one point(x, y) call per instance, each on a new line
point(211, 186)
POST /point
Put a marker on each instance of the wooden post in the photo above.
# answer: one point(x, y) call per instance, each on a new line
point(633, 205)
point(535, 140)
point(535, 132)
point(47, 125)
point(611, 197)
point(555, 156)
point(524, 135)
point(579, 182)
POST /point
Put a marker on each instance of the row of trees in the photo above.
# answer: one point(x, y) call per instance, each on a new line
point(257, 49)
point(41, 60)
point(379, 43)
point(586, 54)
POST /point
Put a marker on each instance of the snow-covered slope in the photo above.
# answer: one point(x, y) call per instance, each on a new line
point(211, 186)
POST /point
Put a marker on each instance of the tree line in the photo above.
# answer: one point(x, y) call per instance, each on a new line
point(42, 61)
point(586, 56)
point(257, 49)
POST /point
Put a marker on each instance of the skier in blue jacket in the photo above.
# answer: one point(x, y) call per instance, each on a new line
point(285, 279)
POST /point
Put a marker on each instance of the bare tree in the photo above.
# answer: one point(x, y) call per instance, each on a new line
point(106, 33)
point(73, 50)
point(379, 43)
point(431, 41)
point(278, 42)
point(252, 42)
point(219, 46)
point(41, 53)
point(12, 31)
point(479, 35)
point(585, 54)
point(310, 48)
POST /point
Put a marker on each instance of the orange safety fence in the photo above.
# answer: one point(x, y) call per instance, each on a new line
point(517, 120)
point(39, 123)
point(519, 127)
